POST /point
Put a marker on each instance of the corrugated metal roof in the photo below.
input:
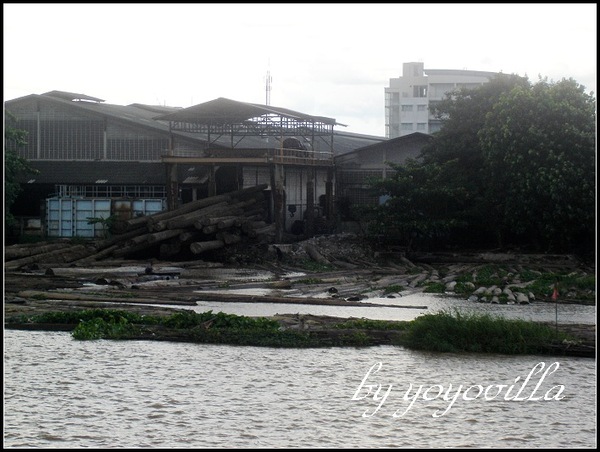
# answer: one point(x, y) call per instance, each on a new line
point(145, 115)
point(390, 144)
point(72, 96)
point(226, 111)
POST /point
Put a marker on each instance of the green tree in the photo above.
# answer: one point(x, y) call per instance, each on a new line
point(512, 165)
point(539, 151)
point(14, 165)
point(438, 197)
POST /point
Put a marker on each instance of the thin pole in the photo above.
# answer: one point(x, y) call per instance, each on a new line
point(555, 296)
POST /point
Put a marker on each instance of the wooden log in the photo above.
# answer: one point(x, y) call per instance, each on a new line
point(262, 232)
point(186, 236)
point(229, 238)
point(99, 255)
point(37, 294)
point(252, 225)
point(164, 235)
point(201, 247)
point(248, 192)
point(239, 298)
point(185, 208)
point(100, 245)
point(255, 210)
point(132, 248)
point(208, 230)
point(62, 255)
point(208, 221)
point(226, 210)
point(156, 222)
point(311, 250)
point(241, 220)
point(17, 252)
point(188, 219)
point(227, 223)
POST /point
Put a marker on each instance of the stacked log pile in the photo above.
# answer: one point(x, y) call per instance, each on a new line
point(199, 226)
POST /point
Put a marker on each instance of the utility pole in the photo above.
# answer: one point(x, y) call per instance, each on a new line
point(268, 88)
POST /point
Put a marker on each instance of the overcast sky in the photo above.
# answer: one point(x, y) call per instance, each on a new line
point(332, 60)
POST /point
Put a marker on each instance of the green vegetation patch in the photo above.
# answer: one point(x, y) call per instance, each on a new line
point(490, 275)
point(310, 281)
point(434, 287)
point(393, 288)
point(456, 332)
point(368, 324)
point(310, 265)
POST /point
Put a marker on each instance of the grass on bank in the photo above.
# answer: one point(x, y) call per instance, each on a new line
point(481, 333)
point(440, 332)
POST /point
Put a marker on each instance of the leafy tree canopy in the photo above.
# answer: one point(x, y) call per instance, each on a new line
point(514, 164)
point(14, 165)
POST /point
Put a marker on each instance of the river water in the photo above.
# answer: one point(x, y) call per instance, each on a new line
point(63, 393)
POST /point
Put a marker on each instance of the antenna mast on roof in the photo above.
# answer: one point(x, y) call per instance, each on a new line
point(268, 88)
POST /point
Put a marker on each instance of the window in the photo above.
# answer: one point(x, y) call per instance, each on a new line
point(406, 126)
point(407, 108)
point(421, 126)
point(420, 91)
point(421, 107)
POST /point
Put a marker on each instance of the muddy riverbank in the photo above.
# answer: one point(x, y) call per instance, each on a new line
point(321, 271)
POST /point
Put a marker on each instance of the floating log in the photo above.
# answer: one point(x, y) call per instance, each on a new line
point(238, 298)
point(201, 247)
point(109, 298)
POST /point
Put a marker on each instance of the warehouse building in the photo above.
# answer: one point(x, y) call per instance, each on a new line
point(94, 160)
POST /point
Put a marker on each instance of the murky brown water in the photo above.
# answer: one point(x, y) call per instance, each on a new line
point(62, 393)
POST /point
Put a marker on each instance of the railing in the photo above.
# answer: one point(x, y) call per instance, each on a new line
point(300, 156)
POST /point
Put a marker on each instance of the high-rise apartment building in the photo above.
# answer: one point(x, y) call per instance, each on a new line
point(409, 98)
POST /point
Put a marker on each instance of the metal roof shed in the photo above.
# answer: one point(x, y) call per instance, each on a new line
point(241, 119)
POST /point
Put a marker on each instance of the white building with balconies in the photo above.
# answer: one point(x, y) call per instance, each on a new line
point(408, 98)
